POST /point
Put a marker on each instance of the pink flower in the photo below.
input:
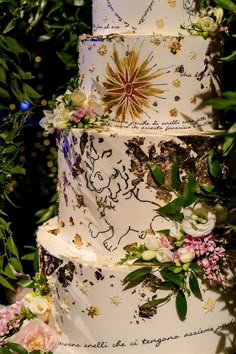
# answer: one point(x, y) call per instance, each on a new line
point(79, 114)
point(36, 335)
point(9, 318)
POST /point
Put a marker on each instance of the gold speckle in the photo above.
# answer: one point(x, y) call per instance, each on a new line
point(105, 18)
point(155, 40)
point(92, 68)
point(93, 311)
point(62, 224)
point(193, 99)
point(116, 299)
point(176, 83)
point(209, 305)
point(102, 50)
point(173, 112)
point(172, 3)
point(78, 241)
point(192, 55)
point(175, 46)
point(160, 23)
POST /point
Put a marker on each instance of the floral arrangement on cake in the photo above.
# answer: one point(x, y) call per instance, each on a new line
point(211, 21)
point(199, 245)
point(24, 326)
point(72, 110)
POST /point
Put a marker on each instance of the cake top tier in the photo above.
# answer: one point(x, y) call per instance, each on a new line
point(142, 16)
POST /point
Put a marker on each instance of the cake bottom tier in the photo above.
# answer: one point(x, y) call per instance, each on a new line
point(94, 313)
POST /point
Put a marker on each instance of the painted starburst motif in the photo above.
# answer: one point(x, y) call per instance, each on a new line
point(129, 85)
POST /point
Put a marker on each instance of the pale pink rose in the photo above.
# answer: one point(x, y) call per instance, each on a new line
point(36, 335)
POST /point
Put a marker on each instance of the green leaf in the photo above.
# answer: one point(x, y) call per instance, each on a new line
point(167, 284)
point(28, 257)
point(155, 303)
point(207, 187)
point(16, 264)
point(16, 348)
point(12, 246)
point(157, 173)
point(26, 283)
point(213, 165)
point(137, 274)
point(194, 286)
point(181, 305)
point(189, 190)
point(175, 178)
point(5, 351)
point(175, 278)
point(171, 208)
point(30, 91)
point(9, 272)
point(196, 268)
point(5, 283)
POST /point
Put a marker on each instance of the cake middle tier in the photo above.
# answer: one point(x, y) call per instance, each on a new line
point(108, 197)
point(151, 81)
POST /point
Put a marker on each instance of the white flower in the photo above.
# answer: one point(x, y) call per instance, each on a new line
point(47, 121)
point(208, 24)
point(38, 305)
point(199, 220)
point(163, 255)
point(78, 98)
point(176, 230)
point(185, 255)
point(217, 12)
point(62, 116)
point(149, 255)
point(152, 243)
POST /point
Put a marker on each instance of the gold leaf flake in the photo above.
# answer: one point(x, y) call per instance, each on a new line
point(160, 23)
point(116, 299)
point(102, 50)
point(93, 311)
point(209, 305)
point(173, 112)
point(172, 3)
point(193, 99)
point(176, 83)
point(78, 241)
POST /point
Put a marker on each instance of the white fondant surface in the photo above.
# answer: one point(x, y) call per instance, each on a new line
point(151, 82)
point(94, 314)
point(143, 17)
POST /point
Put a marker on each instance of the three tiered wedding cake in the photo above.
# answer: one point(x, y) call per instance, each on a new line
point(136, 255)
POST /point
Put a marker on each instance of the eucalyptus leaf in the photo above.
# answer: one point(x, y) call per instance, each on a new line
point(207, 187)
point(181, 305)
point(194, 286)
point(137, 274)
point(4, 93)
point(157, 173)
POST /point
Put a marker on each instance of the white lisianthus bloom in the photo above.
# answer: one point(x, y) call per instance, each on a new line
point(199, 220)
point(38, 305)
point(208, 24)
point(152, 243)
point(176, 230)
point(78, 98)
point(163, 255)
point(185, 255)
point(148, 255)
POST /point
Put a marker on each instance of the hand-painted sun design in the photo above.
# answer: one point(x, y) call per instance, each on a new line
point(128, 85)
